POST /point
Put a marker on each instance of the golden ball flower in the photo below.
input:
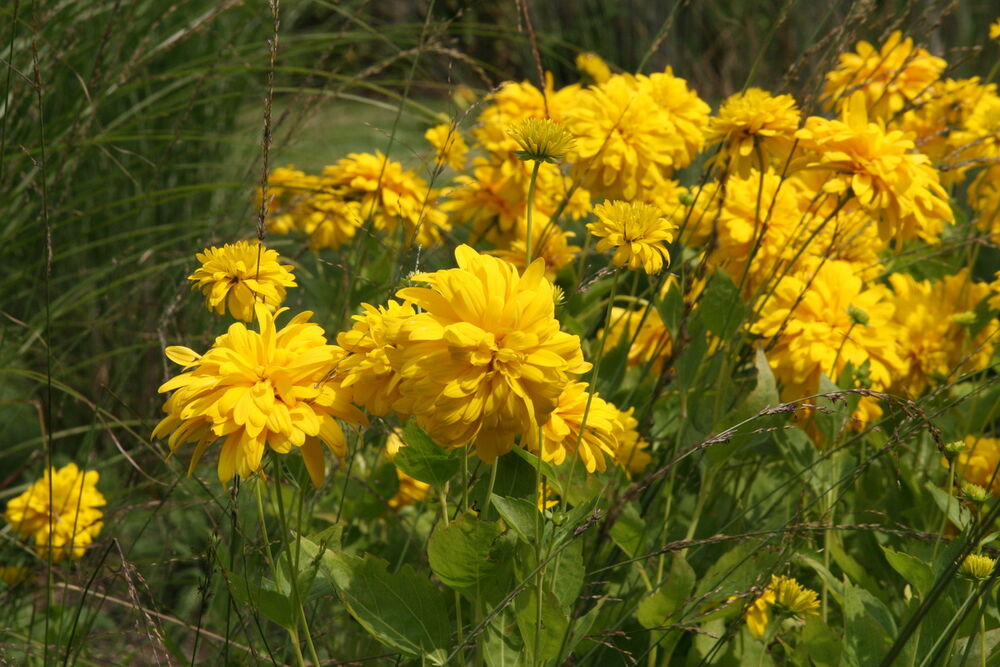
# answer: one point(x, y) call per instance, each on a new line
point(485, 360)
point(636, 232)
point(240, 275)
point(786, 597)
point(276, 388)
point(753, 121)
point(591, 432)
point(59, 513)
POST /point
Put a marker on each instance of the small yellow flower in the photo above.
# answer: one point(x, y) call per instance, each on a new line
point(593, 66)
point(995, 31)
point(276, 389)
point(636, 232)
point(977, 566)
point(451, 147)
point(12, 575)
point(602, 429)
point(59, 512)
point(239, 275)
point(978, 461)
point(541, 140)
point(786, 597)
point(751, 120)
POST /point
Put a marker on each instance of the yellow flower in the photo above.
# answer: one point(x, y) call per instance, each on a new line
point(59, 512)
point(541, 140)
point(636, 232)
point(810, 319)
point(978, 566)
point(787, 597)
point(979, 462)
point(275, 388)
point(994, 301)
point(287, 189)
point(12, 575)
point(630, 454)
point(451, 147)
point(239, 275)
point(602, 429)
point(880, 170)
point(649, 336)
point(485, 361)
point(311, 205)
point(391, 196)
point(753, 121)
point(514, 102)
point(551, 244)
point(593, 66)
point(367, 369)
point(933, 342)
point(631, 129)
point(984, 198)
point(995, 31)
point(889, 79)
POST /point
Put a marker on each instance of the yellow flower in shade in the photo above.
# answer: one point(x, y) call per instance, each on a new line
point(650, 340)
point(601, 430)
point(636, 232)
point(593, 66)
point(817, 326)
point(275, 388)
point(541, 140)
point(287, 189)
point(485, 361)
point(514, 102)
point(753, 121)
point(393, 197)
point(239, 275)
point(786, 597)
point(994, 301)
point(933, 341)
point(984, 198)
point(631, 454)
point(889, 78)
point(979, 462)
point(59, 513)
point(995, 31)
point(880, 170)
point(633, 129)
point(367, 369)
point(551, 244)
point(411, 491)
point(12, 575)
point(451, 147)
point(978, 567)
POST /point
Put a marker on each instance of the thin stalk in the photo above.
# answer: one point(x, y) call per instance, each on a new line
point(531, 208)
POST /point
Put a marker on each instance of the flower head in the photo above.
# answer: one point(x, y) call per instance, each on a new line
point(593, 66)
point(276, 388)
point(59, 512)
point(451, 147)
point(485, 361)
point(240, 274)
point(978, 567)
point(995, 31)
point(786, 597)
point(636, 232)
point(889, 78)
point(598, 420)
point(880, 170)
point(753, 121)
point(978, 462)
point(541, 140)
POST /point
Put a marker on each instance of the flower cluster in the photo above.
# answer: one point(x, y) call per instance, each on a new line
point(60, 513)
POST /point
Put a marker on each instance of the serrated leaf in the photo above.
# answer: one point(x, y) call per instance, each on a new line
point(520, 515)
point(629, 530)
point(916, 572)
point(403, 610)
point(468, 553)
point(422, 459)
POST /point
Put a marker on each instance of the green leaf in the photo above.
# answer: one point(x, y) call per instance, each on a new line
point(468, 554)
point(567, 572)
point(948, 504)
point(269, 602)
point(661, 607)
point(819, 643)
point(720, 306)
point(916, 572)
point(629, 530)
point(426, 461)
point(868, 627)
point(553, 626)
point(403, 610)
point(520, 515)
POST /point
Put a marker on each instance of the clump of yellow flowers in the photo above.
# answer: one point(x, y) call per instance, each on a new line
point(60, 513)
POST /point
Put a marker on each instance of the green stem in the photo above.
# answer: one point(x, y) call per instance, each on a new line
point(531, 208)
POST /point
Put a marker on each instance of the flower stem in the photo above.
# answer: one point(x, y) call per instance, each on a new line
point(531, 207)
